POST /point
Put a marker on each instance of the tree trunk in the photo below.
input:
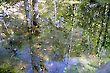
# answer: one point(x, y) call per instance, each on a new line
point(29, 19)
point(35, 12)
point(27, 11)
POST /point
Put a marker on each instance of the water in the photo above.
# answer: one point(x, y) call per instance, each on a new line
point(52, 66)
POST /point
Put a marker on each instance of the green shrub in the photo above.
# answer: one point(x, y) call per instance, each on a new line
point(6, 70)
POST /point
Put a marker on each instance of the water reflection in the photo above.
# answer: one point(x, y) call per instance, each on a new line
point(55, 66)
point(52, 66)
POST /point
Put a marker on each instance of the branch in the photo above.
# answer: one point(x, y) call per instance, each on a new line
point(72, 2)
point(100, 33)
point(106, 25)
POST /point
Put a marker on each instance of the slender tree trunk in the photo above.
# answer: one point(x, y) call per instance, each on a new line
point(29, 19)
point(27, 11)
point(35, 12)
point(55, 9)
point(106, 25)
point(98, 46)
point(31, 9)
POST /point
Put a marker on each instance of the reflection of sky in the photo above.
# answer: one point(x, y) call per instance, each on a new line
point(52, 66)
point(29, 68)
point(59, 66)
point(24, 55)
point(55, 67)
point(58, 24)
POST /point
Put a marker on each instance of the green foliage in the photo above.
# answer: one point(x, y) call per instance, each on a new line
point(91, 17)
point(73, 68)
point(103, 1)
point(10, 1)
point(84, 29)
point(6, 70)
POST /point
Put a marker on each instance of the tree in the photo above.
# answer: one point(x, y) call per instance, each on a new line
point(93, 16)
